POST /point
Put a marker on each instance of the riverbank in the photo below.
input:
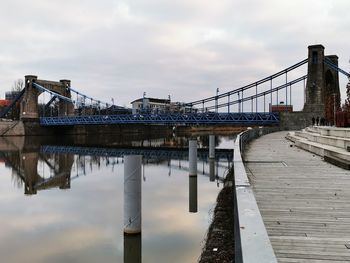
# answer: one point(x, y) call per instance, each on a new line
point(219, 245)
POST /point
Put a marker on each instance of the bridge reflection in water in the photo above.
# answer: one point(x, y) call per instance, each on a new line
point(56, 166)
point(43, 166)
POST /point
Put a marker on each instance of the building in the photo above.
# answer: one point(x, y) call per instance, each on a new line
point(150, 105)
point(181, 107)
point(281, 107)
point(4, 103)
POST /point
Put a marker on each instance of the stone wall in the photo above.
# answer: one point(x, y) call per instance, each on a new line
point(31, 127)
point(296, 120)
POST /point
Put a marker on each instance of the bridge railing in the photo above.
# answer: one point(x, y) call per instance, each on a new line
point(167, 119)
point(252, 243)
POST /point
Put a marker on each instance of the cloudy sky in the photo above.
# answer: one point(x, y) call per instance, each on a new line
point(184, 48)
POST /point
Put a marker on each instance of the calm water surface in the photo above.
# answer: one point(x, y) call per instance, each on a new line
point(64, 202)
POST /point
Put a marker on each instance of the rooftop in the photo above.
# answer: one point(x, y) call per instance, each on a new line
point(155, 100)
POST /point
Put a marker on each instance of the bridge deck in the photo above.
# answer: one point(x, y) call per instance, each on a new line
point(257, 118)
point(304, 201)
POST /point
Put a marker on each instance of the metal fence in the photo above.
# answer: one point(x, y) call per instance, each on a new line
point(252, 243)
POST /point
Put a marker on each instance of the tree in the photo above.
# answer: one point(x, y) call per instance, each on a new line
point(18, 85)
point(346, 105)
point(330, 100)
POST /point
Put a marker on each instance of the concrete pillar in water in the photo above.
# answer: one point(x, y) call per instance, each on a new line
point(211, 146)
point(132, 194)
point(193, 194)
point(211, 170)
point(132, 248)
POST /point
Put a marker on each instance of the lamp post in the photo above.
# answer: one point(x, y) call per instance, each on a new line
point(239, 103)
point(216, 100)
point(144, 101)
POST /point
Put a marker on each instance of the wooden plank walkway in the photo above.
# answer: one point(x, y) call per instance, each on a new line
point(304, 201)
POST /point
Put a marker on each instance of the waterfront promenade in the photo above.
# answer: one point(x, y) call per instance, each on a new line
point(304, 201)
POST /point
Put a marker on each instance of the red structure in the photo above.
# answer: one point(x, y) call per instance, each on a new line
point(342, 119)
point(281, 108)
point(4, 103)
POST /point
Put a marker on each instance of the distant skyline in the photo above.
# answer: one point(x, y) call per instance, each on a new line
point(186, 48)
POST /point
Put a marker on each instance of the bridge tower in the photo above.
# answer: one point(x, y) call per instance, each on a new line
point(29, 104)
point(322, 81)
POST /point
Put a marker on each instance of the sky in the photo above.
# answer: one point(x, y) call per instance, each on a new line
point(185, 48)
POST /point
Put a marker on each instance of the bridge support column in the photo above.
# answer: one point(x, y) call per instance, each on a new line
point(66, 108)
point(315, 80)
point(132, 194)
point(29, 103)
point(193, 192)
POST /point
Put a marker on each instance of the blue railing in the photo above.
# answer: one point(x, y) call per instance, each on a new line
point(166, 119)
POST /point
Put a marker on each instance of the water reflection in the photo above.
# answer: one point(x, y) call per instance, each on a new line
point(132, 248)
point(212, 170)
point(25, 167)
point(51, 166)
point(193, 194)
point(91, 214)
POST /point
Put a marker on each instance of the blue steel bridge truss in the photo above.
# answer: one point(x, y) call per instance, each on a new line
point(270, 118)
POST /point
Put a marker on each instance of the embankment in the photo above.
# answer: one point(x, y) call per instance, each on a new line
point(219, 245)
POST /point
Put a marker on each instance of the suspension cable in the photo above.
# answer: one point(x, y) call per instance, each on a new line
point(249, 85)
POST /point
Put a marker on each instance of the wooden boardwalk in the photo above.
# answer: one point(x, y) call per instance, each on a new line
point(304, 201)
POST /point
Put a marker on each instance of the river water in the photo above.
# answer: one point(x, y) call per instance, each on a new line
point(63, 202)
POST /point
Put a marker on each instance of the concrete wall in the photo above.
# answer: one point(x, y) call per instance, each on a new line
point(31, 127)
point(296, 120)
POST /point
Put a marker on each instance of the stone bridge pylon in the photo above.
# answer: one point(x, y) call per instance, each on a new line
point(322, 81)
point(29, 107)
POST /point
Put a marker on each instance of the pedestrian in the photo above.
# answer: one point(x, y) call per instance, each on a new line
point(317, 120)
point(323, 121)
point(313, 120)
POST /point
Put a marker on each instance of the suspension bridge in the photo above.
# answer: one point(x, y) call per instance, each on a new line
point(251, 104)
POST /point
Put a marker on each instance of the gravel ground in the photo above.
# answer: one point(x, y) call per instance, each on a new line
point(219, 244)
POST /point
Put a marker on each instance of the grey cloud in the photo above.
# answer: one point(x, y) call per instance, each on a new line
point(121, 49)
